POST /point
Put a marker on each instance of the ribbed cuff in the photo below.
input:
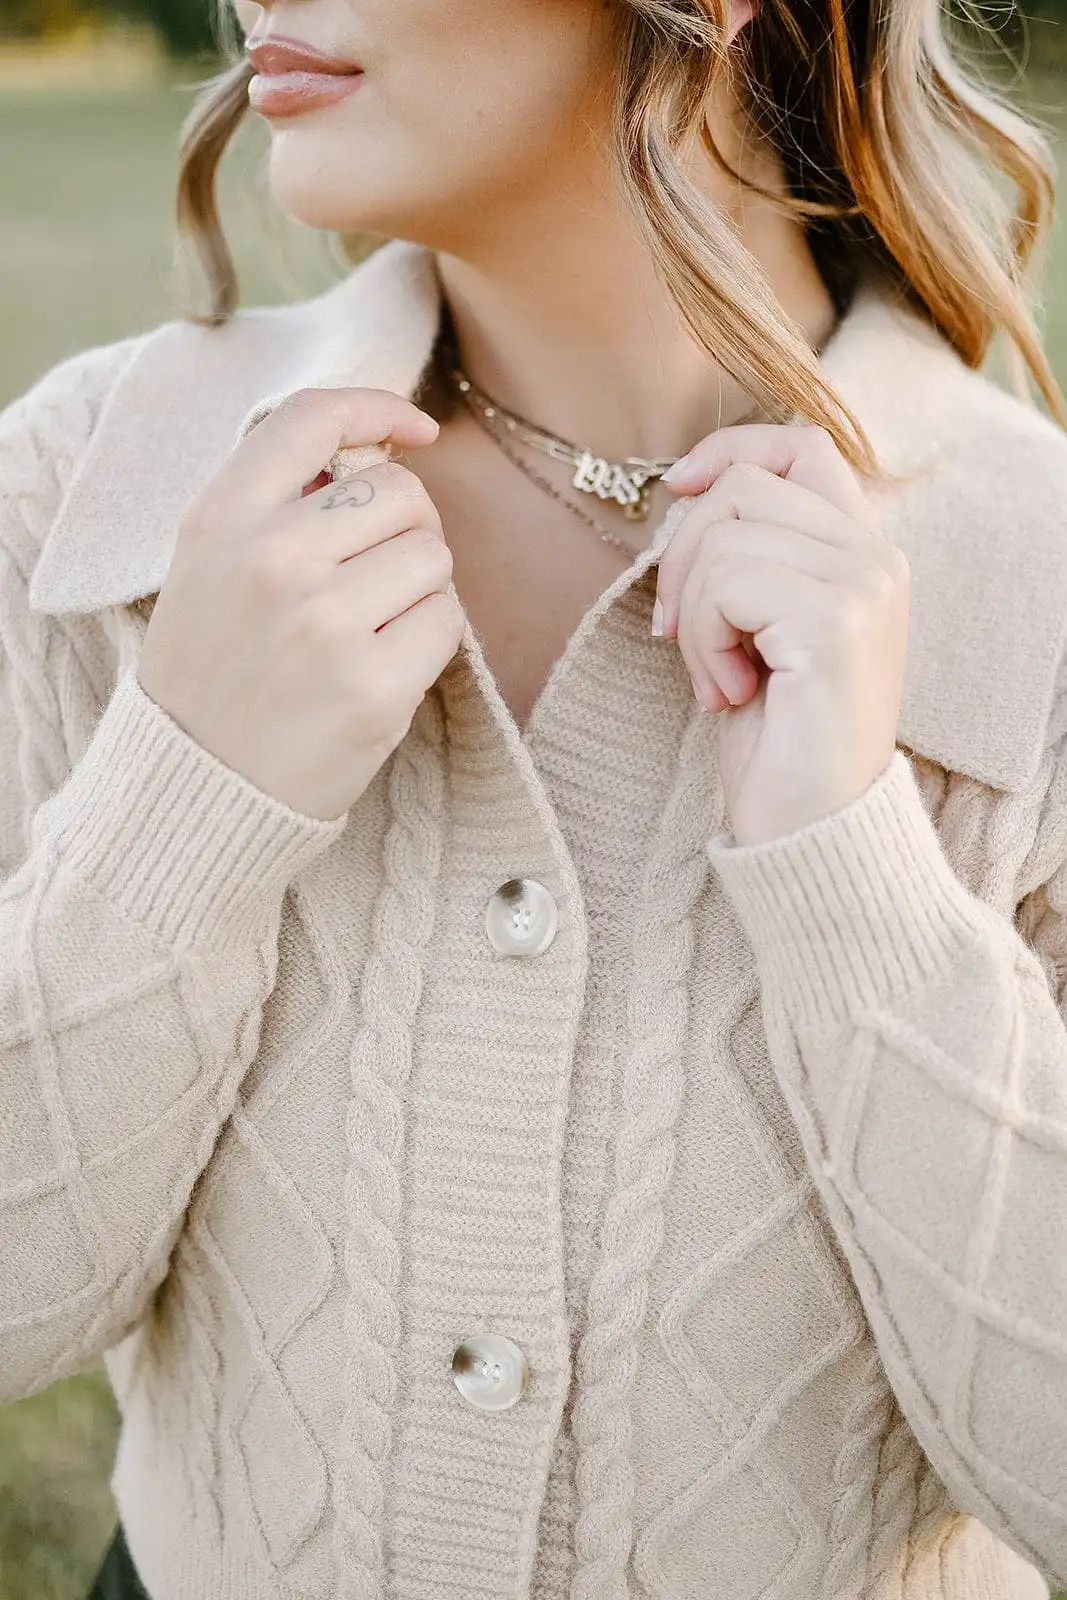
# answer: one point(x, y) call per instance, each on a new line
point(177, 840)
point(854, 908)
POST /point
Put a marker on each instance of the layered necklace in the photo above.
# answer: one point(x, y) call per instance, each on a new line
point(627, 482)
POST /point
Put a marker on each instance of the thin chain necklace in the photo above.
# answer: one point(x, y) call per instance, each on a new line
point(543, 483)
point(627, 482)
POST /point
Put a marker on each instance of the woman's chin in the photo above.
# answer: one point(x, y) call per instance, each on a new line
point(308, 191)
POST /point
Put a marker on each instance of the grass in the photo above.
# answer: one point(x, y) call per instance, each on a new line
point(86, 197)
point(56, 1510)
point(85, 254)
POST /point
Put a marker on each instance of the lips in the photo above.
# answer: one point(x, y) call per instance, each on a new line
point(279, 55)
point(292, 77)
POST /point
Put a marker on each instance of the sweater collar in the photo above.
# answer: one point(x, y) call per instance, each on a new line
point(986, 628)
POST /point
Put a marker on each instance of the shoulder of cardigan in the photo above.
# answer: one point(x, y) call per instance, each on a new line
point(984, 526)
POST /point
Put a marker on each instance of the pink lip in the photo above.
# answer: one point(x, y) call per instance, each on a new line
point(292, 77)
point(285, 94)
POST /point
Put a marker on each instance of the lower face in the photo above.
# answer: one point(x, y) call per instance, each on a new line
point(461, 109)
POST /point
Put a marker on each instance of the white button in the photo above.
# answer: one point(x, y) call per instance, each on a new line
point(521, 918)
point(489, 1371)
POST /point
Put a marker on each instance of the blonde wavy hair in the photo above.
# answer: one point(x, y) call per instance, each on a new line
point(890, 141)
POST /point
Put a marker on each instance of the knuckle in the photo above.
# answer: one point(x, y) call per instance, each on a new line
point(851, 614)
point(878, 583)
point(304, 400)
point(400, 482)
point(425, 554)
point(454, 618)
point(882, 583)
point(446, 618)
point(326, 403)
point(899, 565)
point(742, 472)
point(438, 555)
point(736, 482)
point(373, 411)
point(386, 400)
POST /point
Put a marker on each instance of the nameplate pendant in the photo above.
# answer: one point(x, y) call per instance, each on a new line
point(612, 481)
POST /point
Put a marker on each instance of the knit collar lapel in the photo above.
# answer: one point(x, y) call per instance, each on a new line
point(978, 691)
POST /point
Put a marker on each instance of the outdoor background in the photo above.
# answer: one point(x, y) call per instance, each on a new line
point(91, 100)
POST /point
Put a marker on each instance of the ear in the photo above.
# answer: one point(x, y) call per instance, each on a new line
point(740, 12)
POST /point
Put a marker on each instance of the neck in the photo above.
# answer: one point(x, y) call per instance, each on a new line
point(561, 317)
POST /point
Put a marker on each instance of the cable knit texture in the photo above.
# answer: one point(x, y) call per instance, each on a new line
point(761, 1161)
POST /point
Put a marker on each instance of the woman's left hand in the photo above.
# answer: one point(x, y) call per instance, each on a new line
point(790, 609)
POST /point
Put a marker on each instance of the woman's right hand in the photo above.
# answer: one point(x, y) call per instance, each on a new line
point(296, 633)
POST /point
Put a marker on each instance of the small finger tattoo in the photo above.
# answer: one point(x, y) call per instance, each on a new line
point(358, 493)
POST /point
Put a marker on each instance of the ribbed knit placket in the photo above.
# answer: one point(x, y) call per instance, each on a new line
point(581, 741)
point(454, 1210)
point(476, 1166)
point(486, 1110)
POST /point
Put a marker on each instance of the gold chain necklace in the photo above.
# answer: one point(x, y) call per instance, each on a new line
point(627, 482)
point(543, 483)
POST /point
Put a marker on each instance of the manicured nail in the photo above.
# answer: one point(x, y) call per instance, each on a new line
point(657, 620)
point(677, 471)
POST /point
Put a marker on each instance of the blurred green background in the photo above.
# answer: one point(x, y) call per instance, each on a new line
point(91, 99)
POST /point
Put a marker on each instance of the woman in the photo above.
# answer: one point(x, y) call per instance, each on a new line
point(510, 1131)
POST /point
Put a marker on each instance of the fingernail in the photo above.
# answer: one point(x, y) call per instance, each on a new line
point(657, 620)
point(696, 691)
point(677, 471)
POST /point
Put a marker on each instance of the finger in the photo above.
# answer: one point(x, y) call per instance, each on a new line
point(752, 497)
point(708, 644)
point(327, 527)
point(736, 673)
point(416, 647)
point(748, 644)
point(721, 605)
point(296, 440)
point(801, 454)
point(381, 583)
point(674, 565)
point(357, 511)
point(751, 670)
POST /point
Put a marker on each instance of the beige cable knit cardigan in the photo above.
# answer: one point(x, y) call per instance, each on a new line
point(762, 1163)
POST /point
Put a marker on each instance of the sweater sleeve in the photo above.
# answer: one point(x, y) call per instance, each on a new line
point(918, 1035)
point(141, 886)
